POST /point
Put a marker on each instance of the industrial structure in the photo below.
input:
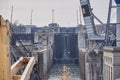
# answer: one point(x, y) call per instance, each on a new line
point(84, 52)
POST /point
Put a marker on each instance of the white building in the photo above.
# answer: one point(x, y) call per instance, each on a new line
point(111, 68)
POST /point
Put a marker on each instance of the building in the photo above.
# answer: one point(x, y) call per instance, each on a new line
point(111, 68)
point(23, 33)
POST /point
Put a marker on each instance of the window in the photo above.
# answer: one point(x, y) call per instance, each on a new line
point(111, 74)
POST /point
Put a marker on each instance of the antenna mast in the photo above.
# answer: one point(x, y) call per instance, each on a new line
point(11, 14)
point(52, 15)
point(80, 15)
point(31, 17)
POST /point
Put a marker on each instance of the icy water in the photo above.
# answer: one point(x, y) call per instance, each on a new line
point(56, 73)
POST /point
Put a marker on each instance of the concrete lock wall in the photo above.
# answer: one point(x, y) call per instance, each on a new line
point(82, 64)
point(49, 58)
point(81, 45)
point(45, 63)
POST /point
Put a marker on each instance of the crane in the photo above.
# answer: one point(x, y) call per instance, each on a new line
point(96, 42)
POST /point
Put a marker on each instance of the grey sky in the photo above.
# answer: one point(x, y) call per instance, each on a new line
point(65, 11)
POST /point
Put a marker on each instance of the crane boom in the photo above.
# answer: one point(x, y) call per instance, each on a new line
point(88, 19)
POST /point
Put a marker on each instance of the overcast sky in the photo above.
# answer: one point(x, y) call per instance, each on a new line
point(65, 11)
